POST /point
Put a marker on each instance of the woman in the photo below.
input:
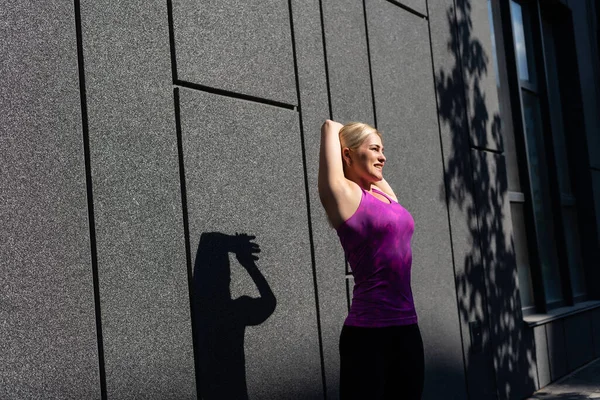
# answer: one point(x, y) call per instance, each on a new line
point(381, 351)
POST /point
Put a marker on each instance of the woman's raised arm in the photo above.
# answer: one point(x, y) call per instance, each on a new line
point(333, 185)
point(331, 170)
point(335, 190)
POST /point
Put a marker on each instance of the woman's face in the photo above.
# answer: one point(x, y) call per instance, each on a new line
point(367, 160)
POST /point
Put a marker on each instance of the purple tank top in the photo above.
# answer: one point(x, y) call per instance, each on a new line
point(376, 240)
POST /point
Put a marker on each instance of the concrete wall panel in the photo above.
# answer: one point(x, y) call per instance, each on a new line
point(461, 193)
point(348, 61)
point(242, 47)
point(329, 256)
point(406, 114)
point(141, 247)
point(541, 356)
point(579, 340)
point(557, 352)
point(244, 174)
point(48, 346)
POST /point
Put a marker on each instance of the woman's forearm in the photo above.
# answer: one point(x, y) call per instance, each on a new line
point(330, 156)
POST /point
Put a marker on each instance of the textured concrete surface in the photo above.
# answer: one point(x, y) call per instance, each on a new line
point(139, 223)
point(461, 192)
point(578, 339)
point(582, 384)
point(541, 356)
point(48, 346)
point(244, 174)
point(243, 47)
point(329, 257)
point(348, 61)
point(406, 114)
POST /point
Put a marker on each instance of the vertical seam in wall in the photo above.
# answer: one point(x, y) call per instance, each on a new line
point(186, 227)
point(370, 67)
point(325, 59)
point(307, 196)
point(447, 200)
point(186, 232)
point(172, 40)
point(90, 199)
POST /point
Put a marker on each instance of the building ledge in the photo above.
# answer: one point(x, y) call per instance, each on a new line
point(558, 313)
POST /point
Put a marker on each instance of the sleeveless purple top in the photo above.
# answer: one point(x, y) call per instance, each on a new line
point(376, 240)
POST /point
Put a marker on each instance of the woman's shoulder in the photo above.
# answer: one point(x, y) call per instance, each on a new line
point(384, 187)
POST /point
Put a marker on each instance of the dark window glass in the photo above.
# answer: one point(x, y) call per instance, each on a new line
point(541, 197)
point(522, 256)
point(567, 198)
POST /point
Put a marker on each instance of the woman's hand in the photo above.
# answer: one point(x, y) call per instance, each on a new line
point(331, 125)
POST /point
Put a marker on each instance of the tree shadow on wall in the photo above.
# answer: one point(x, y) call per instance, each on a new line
point(220, 321)
point(500, 355)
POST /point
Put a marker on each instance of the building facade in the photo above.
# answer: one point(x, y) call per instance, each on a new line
point(149, 148)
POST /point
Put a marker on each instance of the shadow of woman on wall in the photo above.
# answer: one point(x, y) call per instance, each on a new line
point(220, 321)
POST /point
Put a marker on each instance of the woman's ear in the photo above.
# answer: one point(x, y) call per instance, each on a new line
point(346, 156)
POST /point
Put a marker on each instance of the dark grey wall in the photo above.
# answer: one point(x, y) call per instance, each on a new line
point(142, 271)
point(228, 191)
point(200, 120)
point(48, 343)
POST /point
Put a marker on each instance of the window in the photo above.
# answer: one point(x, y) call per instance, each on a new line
point(543, 203)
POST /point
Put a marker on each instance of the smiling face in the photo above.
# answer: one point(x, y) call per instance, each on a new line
point(366, 161)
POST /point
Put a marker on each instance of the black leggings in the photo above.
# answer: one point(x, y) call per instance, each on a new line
point(381, 363)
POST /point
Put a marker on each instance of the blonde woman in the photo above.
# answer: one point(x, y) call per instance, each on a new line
point(381, 351)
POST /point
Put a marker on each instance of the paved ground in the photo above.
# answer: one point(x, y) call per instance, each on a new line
point(582, 384)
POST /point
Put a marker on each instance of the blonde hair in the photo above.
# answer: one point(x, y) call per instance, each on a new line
point(354, 133)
